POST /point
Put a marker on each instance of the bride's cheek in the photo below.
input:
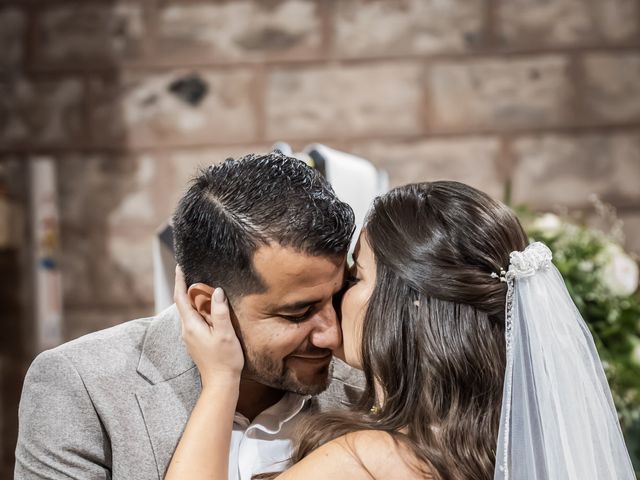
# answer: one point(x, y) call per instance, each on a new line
point(353, 307)
point(347, 318)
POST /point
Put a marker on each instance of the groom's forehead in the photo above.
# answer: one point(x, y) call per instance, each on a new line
point(291, 276)
point(276, 263)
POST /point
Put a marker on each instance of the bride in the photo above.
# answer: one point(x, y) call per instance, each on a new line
point(477, 363)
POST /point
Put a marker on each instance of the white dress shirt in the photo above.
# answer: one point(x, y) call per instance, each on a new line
point(264, 445)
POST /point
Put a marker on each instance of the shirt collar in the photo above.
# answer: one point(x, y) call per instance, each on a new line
point(274, 417)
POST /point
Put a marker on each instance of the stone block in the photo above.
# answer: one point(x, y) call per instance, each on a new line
point(12, 37)
point(131, 257)
point(476, 161)
point(104, 270)
point(373, 28)
point(613, 86)
point(500, 94)
point(532, 23)
point(79, 322)
point(91, 33)
point(91, 187)
point(13, 203)
point(110, 208)
point(564, 170)
point(344, 101)
point(174, 108)
point(148, 203)
point(238, 31)
point(42, 112)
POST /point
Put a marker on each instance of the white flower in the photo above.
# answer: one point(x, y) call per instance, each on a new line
point(586, 266)
point(620, 271)
point(548, 223)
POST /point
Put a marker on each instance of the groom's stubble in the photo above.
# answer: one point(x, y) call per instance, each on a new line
point(261, 366)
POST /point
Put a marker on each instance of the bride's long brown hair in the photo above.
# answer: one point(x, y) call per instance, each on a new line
point(433, 332)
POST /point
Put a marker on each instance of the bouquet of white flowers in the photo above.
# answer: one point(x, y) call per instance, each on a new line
point(603, 281)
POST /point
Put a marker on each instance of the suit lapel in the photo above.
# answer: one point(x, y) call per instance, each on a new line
point(344, 390)
point(173, 386)
point(165, 409)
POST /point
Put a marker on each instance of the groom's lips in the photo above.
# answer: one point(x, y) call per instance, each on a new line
point(314, 358)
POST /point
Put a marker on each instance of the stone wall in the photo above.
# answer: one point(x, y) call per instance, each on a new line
point(539, 99)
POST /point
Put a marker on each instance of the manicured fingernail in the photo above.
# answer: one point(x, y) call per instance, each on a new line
point(218, 295)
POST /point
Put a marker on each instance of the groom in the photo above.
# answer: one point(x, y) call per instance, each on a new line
point(113, 404)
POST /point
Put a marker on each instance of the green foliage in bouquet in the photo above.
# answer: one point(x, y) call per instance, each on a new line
point(603, 281)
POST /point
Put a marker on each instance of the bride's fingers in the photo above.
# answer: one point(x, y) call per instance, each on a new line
point(228, 343)
point(220, 314)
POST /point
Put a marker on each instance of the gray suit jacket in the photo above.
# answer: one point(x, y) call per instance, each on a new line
point(114, 403)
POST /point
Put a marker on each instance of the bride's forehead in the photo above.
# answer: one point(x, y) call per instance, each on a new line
point(362, 252)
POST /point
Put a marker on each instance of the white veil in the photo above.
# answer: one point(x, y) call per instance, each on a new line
point(558, 420)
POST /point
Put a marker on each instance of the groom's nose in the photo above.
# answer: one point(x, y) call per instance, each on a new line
point(326, 332)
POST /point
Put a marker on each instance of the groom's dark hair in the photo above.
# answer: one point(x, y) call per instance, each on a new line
point(233, 208)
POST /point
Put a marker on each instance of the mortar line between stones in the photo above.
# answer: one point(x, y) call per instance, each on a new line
point(514, 134)
point(293, 64)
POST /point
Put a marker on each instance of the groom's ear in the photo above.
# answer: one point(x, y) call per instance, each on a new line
point(200, 297)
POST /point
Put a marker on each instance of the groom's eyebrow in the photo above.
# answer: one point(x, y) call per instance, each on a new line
point(296, 306)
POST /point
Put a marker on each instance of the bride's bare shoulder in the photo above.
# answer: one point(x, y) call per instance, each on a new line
point(359, 455)
point(383, 456)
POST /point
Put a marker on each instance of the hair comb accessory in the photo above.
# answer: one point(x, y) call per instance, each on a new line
point(536, 256)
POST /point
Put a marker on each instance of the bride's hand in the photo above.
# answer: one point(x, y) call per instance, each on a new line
point(214, 347)
point(203, 450)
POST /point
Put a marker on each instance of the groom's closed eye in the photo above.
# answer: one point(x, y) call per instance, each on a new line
point(296, 312)
point(297, 318)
